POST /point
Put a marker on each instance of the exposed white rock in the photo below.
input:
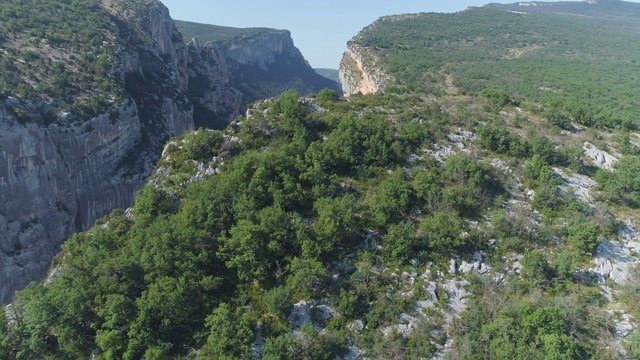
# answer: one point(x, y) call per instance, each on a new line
point(581, 185)
point(357, 326)
point(614, 259)
point(601, 158)
point(302, 314)
point(406, 326)
point(477, 265)
point(499, 164)
point(359, 73)
point(257, 350)
point(624, 323)
point(263, 50)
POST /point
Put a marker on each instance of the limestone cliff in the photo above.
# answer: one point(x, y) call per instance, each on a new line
point(215, 101)
point(359, 72)
point(263, 62)
point(58, 177)
point(69, 159)
point(264, 50)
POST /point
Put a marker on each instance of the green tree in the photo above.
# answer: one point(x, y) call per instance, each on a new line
point(231, 334)
point(5, 351)
point(583, 234)
point(440, 233)
point(392, 201)
point(327, 96)
point(334, 225)
point(623, 185)
point(152, 202)
point(292, 109)
point(536, 269)
point(400, 242)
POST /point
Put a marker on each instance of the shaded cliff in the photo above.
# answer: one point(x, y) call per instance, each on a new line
point(265, 62)
point(69, 157)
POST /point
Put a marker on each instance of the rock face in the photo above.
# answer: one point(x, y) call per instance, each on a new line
point(215, 101)
point(262, 62)
point(270, 64)
point(58, 179)
point(358, 72)
point(55, 181)
point(263, 51)
point(359, 68)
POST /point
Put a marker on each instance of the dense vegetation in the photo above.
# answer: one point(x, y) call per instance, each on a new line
point(313, 206)
point(318, 227)
point(223, 35)
point(60, 50)
point(581, 67)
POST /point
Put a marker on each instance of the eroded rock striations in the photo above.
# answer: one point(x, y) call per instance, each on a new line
point(58, 177)
point(358, 73)
point(262, 62)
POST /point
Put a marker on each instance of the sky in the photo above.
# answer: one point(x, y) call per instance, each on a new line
point(319, 29)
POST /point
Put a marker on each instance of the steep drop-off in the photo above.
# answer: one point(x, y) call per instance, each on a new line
point(264, 62)
point(359, 72)
point(59, 176)
point(84, 113)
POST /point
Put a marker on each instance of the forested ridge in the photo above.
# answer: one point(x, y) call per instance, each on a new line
point(581, 66)
point(315, 206)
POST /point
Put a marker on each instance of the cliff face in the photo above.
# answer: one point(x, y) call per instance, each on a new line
point(262, 62)
point(55, 181)
point(215, 101)
point(58, 179)
point(264, 50)
point(359, 73)
point(270, 63)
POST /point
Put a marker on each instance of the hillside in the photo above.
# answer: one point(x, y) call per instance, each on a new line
point(603, 9)
point(426, 219)
point(332, 74)
point(581, 67)
point(384, 227)
point(224, 36)
point(266, 61)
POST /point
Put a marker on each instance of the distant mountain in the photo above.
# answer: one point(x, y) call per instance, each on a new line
point(611, 9)
point(265, 61)
point(331, 74)
point(565, 55)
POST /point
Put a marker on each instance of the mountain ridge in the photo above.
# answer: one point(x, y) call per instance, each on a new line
point(75, 144)
point(266, 62)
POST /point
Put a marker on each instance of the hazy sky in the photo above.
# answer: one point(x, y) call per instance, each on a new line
point(320, 29)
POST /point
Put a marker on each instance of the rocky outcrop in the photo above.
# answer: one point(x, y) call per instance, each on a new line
point(264, 50)
point(270, 63)
point(600, 158)
point(215, 101)
point(55, 181)
point(358, 72)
